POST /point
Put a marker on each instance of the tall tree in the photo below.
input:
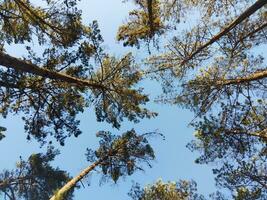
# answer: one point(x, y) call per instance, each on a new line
point(33, 179)
point(72, 73)
point(216, 70)
point(69, 72)
point(117, 156)
point(182, 190)
point(144, 24)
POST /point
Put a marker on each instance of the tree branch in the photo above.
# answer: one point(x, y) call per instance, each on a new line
point(252, 77)
point(247, 13)
point(24, 66)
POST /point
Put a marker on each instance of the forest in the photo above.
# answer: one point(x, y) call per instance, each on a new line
point(133, 99)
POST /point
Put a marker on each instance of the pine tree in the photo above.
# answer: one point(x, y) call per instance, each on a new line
point(73, 72)
point(34, 179)
point(182, 190)
point(214, 69)
point(117, 156)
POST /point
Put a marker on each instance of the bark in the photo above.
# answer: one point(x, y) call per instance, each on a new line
point(252, 77)
point(251, 10)
point(150, 16)
point(73, 182)
point(24, 66)
point(259, 134)
point(247, 13)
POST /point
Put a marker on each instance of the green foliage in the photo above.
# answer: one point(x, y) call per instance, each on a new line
point(61, 23)
point(122, 155)
point(240, 153)
point(34, 179)
point(244, 194)
point(119, 100)
point(144, 24)
point(50, 106)
point(182, 190)
point(50, 109)
point(2, 129)
point(220, 83)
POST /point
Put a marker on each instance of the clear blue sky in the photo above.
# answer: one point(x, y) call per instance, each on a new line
point(174, 161)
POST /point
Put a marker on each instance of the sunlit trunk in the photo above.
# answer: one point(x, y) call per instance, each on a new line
point(60, 194)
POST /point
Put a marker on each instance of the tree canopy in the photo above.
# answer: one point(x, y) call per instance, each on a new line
point(213, 65)
point(181, 190)
point(34, 178)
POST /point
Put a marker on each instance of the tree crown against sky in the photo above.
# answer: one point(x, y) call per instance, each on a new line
point(215, 69)
point(73, 73)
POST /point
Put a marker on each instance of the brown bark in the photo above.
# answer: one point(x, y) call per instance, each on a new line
point(251, 10)
point(24, 66)
point(72, 183)
point(150, 16)
point(259, 134)
point(36, 18)
point(252, 77)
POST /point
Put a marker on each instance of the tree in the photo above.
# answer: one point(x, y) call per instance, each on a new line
point(182, 190)
point(117, 156)
point(144, 24)
point(2, 129)
point(34, 179)
point(52, 88)
point(213, 69)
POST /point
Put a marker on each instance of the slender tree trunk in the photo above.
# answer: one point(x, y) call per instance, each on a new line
point(150, 15)
point(73, 182)
point(251, 10)
point(260, 134)
point(247, 13)
point(239, 80)
point(24, 66)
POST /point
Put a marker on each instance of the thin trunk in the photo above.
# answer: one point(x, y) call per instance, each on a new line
point(259, 134)
point(35, 17)
point(73, 182)
point(252, 77)
point(150, 16)
point(251, 10)
point(247, 13)
point(24, 66)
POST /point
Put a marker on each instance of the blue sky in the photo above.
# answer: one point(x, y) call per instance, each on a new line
point(174, 161)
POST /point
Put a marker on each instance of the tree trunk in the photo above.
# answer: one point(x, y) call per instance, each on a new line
point(259, 134)
point(59, 195)
point(24, 66)
point(239, 80)
point(247, 13)
point(150, 16)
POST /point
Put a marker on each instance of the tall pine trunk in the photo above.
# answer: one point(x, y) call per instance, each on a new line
point(242, 17)
point(60, 194)
point(23, 66)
